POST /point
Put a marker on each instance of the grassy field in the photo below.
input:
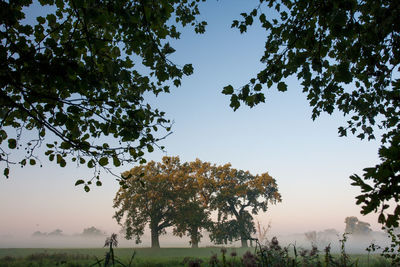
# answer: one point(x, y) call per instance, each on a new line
point(167, 257)
point(86, 257)
point(147, 253)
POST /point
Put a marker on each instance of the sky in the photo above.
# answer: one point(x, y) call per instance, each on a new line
point(308, 159)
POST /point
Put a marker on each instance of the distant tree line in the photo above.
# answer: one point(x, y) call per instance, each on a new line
point(92, 232)
point(57, 232)
point(356, 227)
point(87, 232)
point(183, 196)
point(353, 226)
point(321, 238)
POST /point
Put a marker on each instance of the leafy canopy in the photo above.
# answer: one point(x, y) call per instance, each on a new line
point(183, 196)
point(164, 194)
point(148, 197)
point(346, 54)
point(238, 195)
point(192, 204)
point(72, 76)
point(78, 73)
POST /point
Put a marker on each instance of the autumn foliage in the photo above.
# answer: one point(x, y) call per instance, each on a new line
point(185, 195)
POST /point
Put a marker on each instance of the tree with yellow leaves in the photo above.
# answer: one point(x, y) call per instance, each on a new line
point(165, 194)
point(183, 195)
point(192, 205)
point(148, 198)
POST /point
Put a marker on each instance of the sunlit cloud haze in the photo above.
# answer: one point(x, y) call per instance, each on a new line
point(308, 159)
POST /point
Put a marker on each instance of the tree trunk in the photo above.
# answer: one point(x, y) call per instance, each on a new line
point(194, 238)
point(155, 243)
point(195, 244)
point(244, 243)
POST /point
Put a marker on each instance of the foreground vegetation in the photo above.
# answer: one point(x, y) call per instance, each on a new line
point(272, 254)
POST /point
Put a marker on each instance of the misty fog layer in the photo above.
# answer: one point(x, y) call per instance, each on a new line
point(355, 244)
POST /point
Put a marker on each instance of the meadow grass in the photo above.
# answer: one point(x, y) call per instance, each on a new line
point(146, 253)
point(164, 257)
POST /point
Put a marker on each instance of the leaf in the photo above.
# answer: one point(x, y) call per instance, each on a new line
point(12, 143)
point(257, 87)
point(98, 183)
point(128, 176)
point(235, 104)
point(228, 90)
point(116, 161)
point(262, 18)
point(188, 69)
point(42, 132)
point(86, 188)
point(41, 20)
point(177, 82)
point(381, 218)
point(51, 18)
point(150, 148)
point(6, 172)
point(397, 210)
point(32, 162)
point(235, 23)
point(343, 74)
point(79, 182)
point(3, 135)
point(282, 86)
point(59, 158)
point(249, 20)
point(65, 145)
point(103, 161)
point(63, 163)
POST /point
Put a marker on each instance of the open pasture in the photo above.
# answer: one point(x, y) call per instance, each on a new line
point(167, 257)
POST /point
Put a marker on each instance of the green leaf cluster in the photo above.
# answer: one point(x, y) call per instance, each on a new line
point(73, 75)
point(346, 56)
point(239, 195)
point(380, 185)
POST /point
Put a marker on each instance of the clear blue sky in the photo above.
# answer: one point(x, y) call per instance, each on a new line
point(309, 161)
